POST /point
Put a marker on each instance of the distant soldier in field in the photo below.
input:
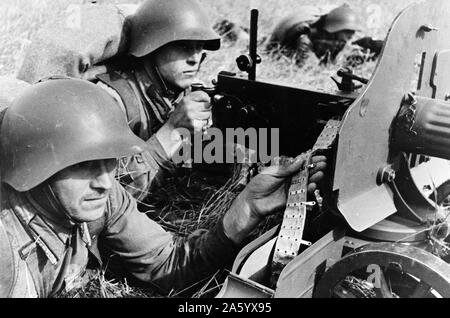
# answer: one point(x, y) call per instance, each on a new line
point(62, 207)
point(299, 34)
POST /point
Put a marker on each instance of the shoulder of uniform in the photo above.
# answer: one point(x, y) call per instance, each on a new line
point(6, 263)
point(118, 202)
point(111, 91)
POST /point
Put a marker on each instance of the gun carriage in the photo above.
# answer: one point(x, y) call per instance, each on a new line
point(381, 218)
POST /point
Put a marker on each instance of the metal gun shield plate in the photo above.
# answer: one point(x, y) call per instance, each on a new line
point(363, 146)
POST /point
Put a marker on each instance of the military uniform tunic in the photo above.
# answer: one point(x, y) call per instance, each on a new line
point(46, 253)
point(143, 97)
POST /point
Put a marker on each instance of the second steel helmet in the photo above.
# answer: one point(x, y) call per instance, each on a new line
point(58, 123)
point(158, 22)
point(340, 19)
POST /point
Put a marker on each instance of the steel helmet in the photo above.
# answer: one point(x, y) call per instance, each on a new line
point(158, 22)
point(58, 123)
point(340, 19)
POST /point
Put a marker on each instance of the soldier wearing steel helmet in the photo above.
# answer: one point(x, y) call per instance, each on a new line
point(61, 205)
point(166, 43)
point(326, 35)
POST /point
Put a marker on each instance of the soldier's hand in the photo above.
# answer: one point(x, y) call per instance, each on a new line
point(266, 194)
point(193, 112)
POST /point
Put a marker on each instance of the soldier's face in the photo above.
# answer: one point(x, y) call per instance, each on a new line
point(179, 62)
point(83, 188)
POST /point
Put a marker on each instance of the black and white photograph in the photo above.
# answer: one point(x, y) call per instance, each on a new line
point(220, 155)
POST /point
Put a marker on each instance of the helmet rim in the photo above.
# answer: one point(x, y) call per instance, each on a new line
point(42, 134)
point(157, 23)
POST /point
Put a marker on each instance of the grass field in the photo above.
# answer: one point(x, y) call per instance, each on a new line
point(21, 19)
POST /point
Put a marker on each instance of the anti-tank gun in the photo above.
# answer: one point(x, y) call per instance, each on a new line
point(382, 227)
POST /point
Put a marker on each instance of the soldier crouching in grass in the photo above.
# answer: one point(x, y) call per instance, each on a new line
point(61, 205)
point(152, 83)
point(146, 58)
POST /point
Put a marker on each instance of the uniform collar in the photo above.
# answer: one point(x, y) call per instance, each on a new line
point(45, 202)
point(39, 211)
point(154, 89)
point(43, 226)
point(155, 78)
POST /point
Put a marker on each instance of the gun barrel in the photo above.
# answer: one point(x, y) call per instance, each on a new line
point(253, 43)
point(423, 127)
